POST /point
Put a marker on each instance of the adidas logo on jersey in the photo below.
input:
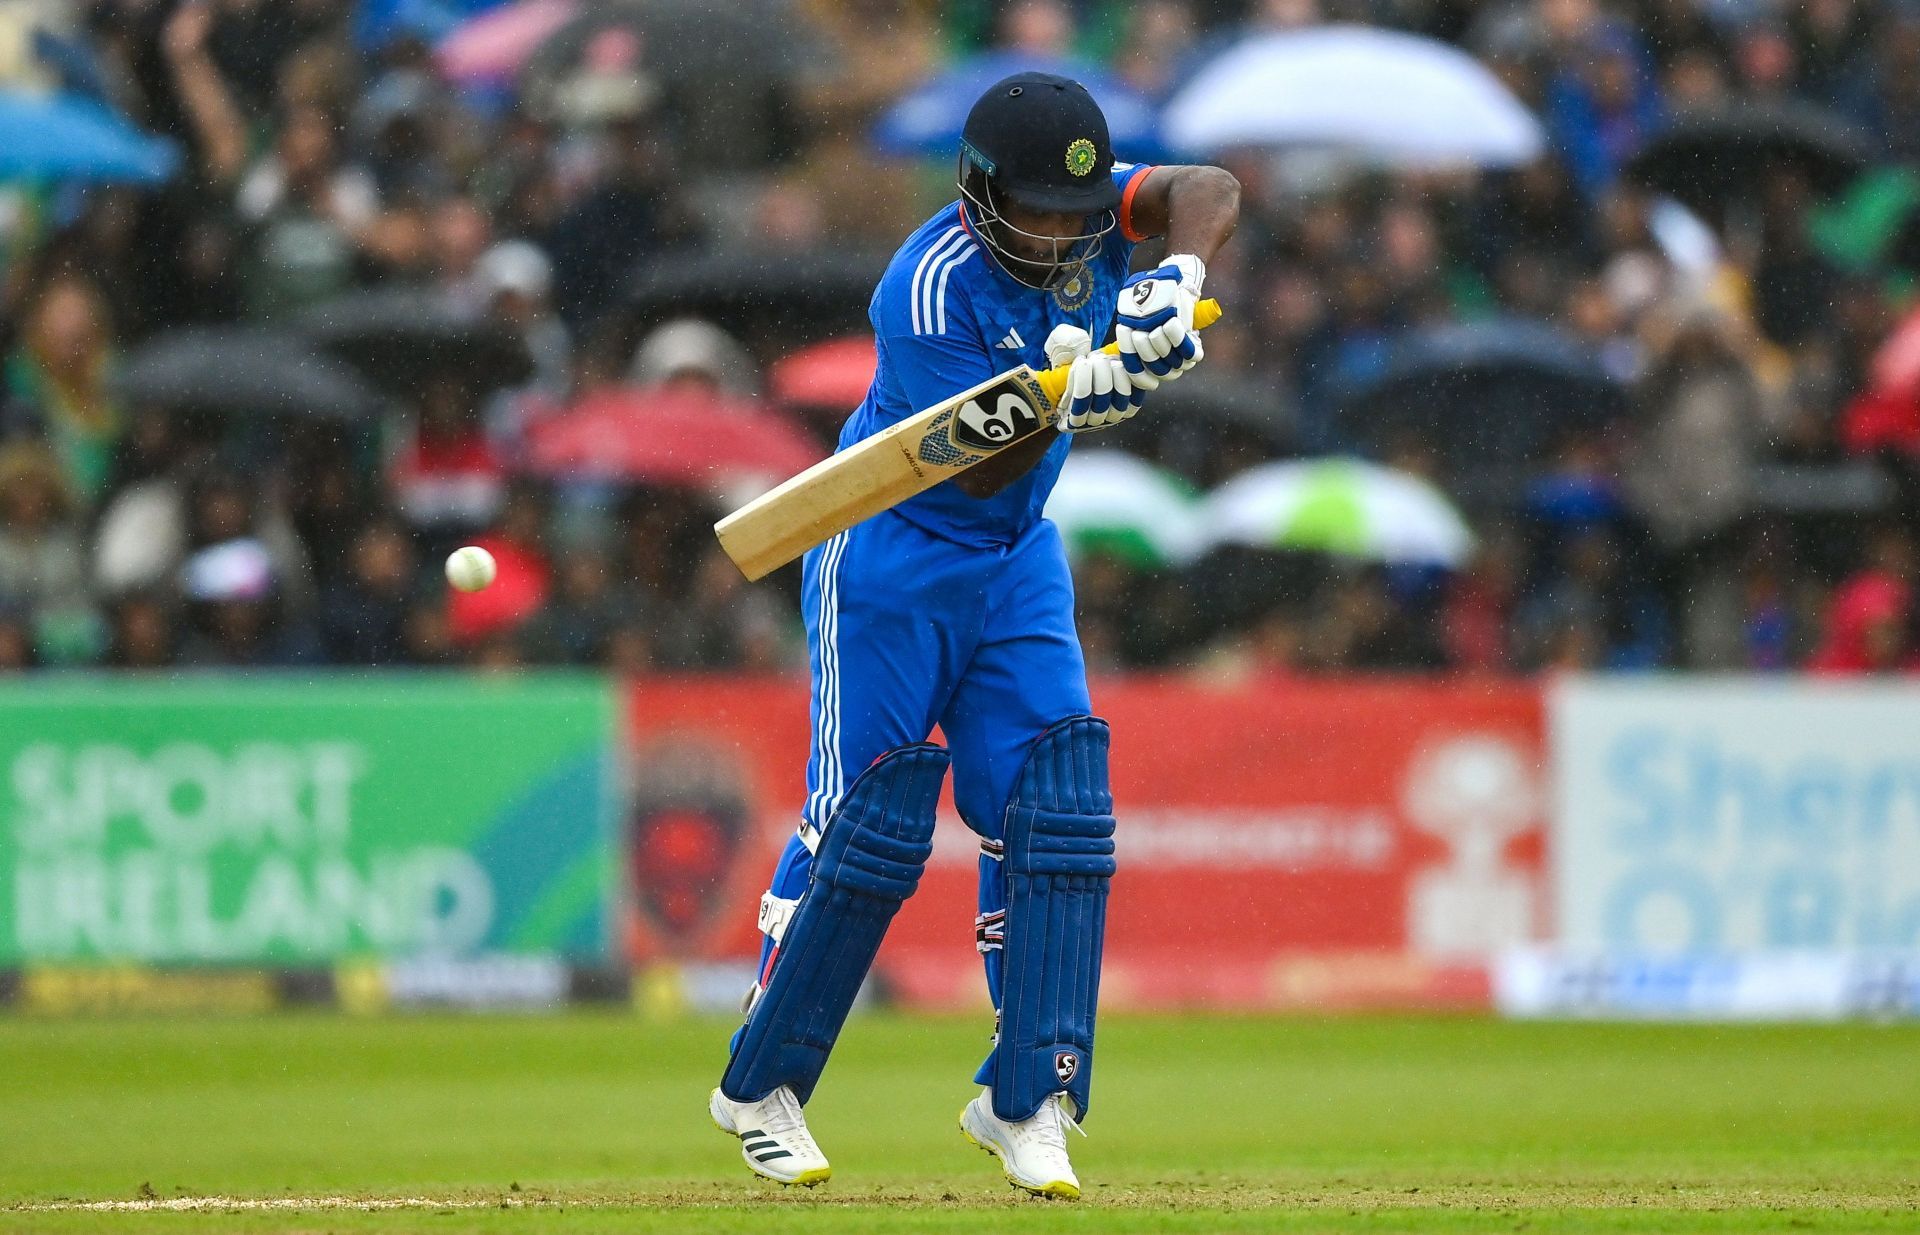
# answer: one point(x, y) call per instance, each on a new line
point(1013, 342)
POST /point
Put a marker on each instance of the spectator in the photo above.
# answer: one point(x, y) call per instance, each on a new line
point(614, 225)
point(16, 643)
point(57, 383)
point(1592, 613)
point(448, 479)
point(577, 624)
point(517, 542)
point(1704, 423)
point(43, 562)
point(235, 611)
point(306, 212)
point(364, 618)
point(1869, 627)
point(693, 356)
point(143, 633)
point(724, 622)
point(512, 283)
point(1601, 106)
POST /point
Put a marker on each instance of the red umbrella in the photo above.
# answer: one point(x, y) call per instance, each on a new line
point(1887, 413)
point(832, 374)
point(668, 437)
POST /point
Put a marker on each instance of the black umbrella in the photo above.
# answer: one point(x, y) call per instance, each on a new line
point(799, 296)
point(1711, 158)
point(1223, 399)
point(1209, 420)
point(725, 42)
point(1484, 393)
point(720, 71)
point(401, 338)
point(237, 369)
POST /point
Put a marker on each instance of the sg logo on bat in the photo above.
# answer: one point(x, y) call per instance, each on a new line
point(1016, 411)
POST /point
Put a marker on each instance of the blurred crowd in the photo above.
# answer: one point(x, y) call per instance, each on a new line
point(1750, 508)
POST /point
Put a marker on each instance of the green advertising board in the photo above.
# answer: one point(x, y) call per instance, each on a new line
point(295, 821)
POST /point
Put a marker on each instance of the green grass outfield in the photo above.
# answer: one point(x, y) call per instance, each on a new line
point(597, 1122)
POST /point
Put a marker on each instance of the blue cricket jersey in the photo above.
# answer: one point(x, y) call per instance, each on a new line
point(946, 317)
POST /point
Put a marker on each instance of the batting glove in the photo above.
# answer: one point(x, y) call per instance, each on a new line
point(1100, 394)
point(1154, 327)
point(1067, 344)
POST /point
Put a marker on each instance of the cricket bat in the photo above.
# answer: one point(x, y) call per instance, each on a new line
point(903, 459)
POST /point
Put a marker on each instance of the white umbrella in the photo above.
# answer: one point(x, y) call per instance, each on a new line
point(1396, 97)
point(1339, 506)
point(1110, 500)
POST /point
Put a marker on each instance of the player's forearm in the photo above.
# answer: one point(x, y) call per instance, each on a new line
point(1003, 467)
point(1202, 207)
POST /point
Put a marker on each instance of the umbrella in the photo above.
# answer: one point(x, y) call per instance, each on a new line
point(1396, 97)
point(1205, 398)
point(494, 46)
point(1493, 392)
point(1711, 158)
point(1108, 500)
point(834, 374)
point(72, 137)
point(929, 119)
point(793, 295)
point(235, 369)
point(401, 337)
point(1339, 506)
point(1210, 419)
point(727, 43)
point(632, 433)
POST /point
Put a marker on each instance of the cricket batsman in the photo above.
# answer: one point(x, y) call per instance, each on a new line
point(955, 608)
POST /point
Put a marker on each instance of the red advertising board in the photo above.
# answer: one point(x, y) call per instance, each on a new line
point(1286, 843)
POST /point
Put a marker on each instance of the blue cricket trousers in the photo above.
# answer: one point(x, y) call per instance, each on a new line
point(906, 630)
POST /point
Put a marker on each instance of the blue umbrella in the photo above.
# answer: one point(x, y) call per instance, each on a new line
point(929, 120)
point(72, 137)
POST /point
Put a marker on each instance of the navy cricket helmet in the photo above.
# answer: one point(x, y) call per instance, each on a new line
point(1039, 142)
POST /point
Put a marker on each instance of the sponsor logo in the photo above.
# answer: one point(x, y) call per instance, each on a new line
point(1012, 418)
point(1081, 157)
point(1477, 793)
point(687, 840)
point(1066, 1065)
point(1013, 342)
point(1143, 292)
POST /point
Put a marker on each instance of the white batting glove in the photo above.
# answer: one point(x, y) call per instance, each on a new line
point(1067, 344)
point(1154, 325)
point(1100, 394)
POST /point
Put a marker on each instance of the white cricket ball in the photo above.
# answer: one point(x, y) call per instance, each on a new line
point(471, 568)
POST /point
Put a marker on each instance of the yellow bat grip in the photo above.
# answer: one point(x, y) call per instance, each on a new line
point(1054, 381)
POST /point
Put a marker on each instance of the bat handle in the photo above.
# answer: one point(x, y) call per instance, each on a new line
point(1054, 381)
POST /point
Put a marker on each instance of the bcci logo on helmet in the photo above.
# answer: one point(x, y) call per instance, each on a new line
point(1081, 157)
point(1075, 290)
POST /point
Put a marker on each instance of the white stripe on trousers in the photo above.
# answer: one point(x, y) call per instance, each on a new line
point(828, 774)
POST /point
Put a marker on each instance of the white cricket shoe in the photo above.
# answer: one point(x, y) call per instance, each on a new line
point(1033, 1152)
point(773, 1137)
